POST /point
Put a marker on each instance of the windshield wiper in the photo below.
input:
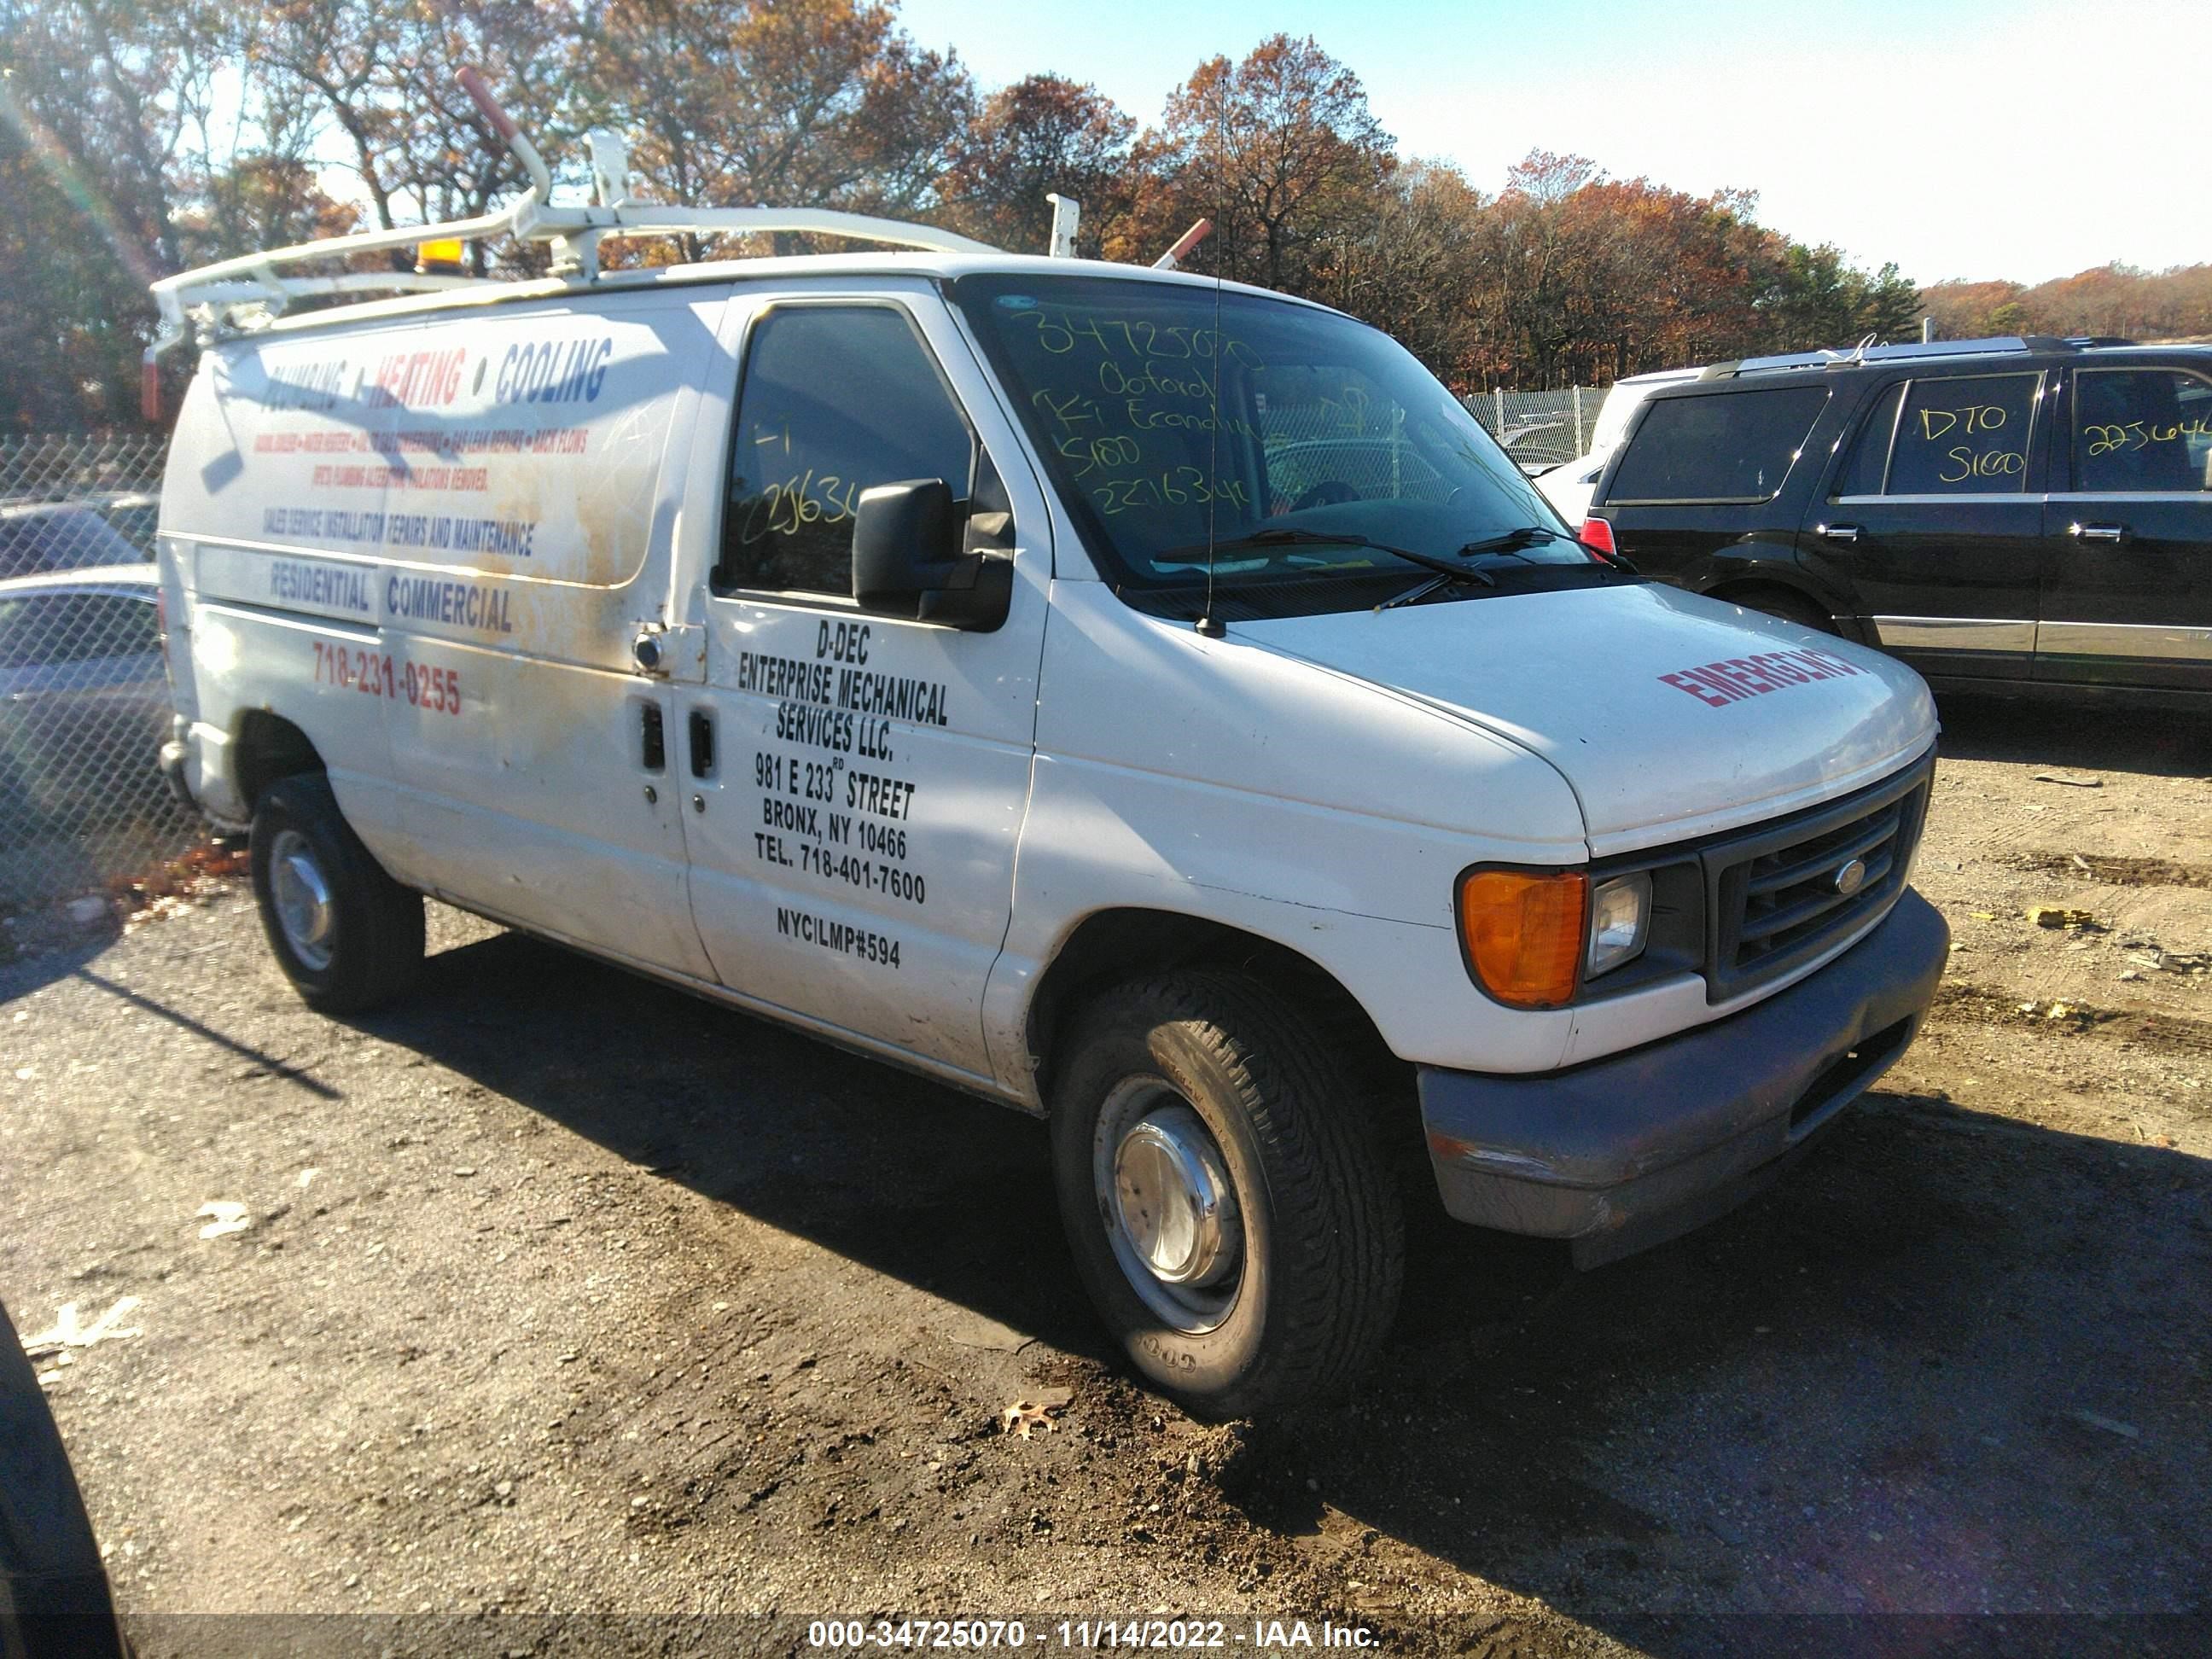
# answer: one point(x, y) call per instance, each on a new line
point(1447, 572)
point(1513, 541)
point(1292, 537)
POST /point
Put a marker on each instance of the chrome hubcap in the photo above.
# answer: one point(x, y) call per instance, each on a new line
point(1168, 1205)
point(301, 893)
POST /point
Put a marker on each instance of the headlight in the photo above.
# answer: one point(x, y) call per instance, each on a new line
point(1620, 921)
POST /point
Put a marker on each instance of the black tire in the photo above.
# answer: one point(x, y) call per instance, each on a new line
point(371, 942)
point(1782, 603)
point(1322, 1239)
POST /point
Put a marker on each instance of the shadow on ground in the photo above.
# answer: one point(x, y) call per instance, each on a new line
point(2090, 736)
point(1954, 1362)
point(911, 1179)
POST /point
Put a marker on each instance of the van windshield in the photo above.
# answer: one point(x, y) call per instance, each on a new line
point(1177, 419)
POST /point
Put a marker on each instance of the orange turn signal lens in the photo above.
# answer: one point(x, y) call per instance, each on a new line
point(1524, 933)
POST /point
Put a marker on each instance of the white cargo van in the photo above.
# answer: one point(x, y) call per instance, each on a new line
point(924, 649)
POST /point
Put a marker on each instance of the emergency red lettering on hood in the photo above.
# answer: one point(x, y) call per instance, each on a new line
point(1716, 684)
point(1684, 683)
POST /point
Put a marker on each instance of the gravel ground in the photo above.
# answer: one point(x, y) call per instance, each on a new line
point(560, 1293)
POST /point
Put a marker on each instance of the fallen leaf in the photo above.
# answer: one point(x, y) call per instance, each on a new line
point(229, 1218)
point(1025, 1416)
point(2058, 915)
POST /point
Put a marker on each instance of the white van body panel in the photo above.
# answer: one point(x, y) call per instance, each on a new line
point(1206, 777)
point(429, 550)
point(1582, 679)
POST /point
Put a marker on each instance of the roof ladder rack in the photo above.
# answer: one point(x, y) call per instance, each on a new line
point(250, 291)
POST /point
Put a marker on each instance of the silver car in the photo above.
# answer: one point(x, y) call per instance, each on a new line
point(84, 697)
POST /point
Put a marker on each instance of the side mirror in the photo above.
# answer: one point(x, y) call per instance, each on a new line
point(908, 560)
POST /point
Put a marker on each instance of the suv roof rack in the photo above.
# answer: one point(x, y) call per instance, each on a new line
point(1866, 352)
point(252, 290)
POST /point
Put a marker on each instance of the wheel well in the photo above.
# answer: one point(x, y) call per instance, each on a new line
point(269, 747)
point(1745, 589)
point(1749, 590)
point(1118, 945)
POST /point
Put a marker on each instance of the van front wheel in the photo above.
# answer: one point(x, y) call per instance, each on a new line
point(1229, 1211)
point(346, 935)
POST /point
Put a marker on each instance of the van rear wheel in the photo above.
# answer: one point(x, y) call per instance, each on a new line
point(346, 935)
point(1230, 1212)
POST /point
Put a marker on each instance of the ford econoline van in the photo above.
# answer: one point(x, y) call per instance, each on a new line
point(1150, 702)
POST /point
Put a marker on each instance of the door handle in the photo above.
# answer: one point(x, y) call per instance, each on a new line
point(1838, 532)
point(2098, 533)
point(702, 743)
point(645, 651)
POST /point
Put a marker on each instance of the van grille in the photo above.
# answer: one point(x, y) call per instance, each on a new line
point(1781, 896)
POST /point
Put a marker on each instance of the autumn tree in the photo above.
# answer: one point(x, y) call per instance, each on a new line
point(1412, 268)
point(137, 139)
point(1044, 134)
point(814, 103)
point(2109, 299)
point(93, 97)
point(1280, 150)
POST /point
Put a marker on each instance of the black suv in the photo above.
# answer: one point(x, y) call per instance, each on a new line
point(2022, 515)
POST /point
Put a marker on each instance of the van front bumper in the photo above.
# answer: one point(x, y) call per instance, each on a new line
point(1626, 1152)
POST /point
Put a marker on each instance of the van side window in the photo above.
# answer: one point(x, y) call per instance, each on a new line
point(2137, 429)
point(835, 400)
point(1965, 434)
point(1734, 447)
point(1868, 461)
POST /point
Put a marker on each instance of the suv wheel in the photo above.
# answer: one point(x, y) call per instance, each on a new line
point(1228, 1209)
point(346, 935)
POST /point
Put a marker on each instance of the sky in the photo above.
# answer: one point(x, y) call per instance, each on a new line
point(1961, 138)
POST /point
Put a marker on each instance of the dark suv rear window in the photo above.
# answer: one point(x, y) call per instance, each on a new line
point(1723, 447)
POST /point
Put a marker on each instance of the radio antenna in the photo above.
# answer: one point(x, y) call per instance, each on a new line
point(1209, 625)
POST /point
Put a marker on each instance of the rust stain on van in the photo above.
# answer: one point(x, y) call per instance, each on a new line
point(614, 499)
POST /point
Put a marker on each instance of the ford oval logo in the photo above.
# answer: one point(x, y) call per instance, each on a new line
point(1851, 878)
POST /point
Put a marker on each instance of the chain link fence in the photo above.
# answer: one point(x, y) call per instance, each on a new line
point(84, 694)
point(1538, 428)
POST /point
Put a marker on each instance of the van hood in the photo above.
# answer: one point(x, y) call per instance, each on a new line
point(1669, 714)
